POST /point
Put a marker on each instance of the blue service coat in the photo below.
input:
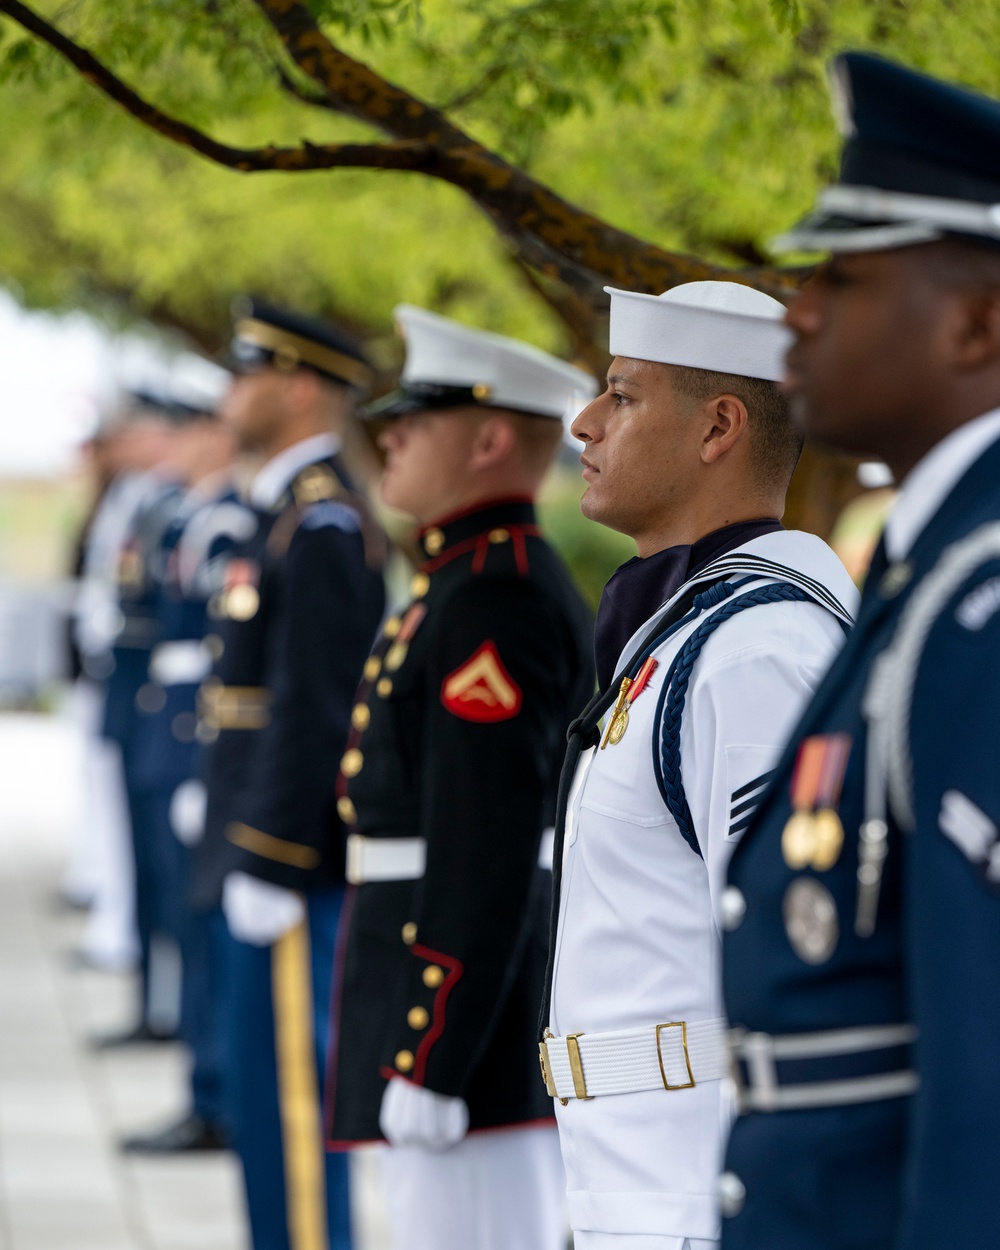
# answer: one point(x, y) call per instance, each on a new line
point(916, 1171)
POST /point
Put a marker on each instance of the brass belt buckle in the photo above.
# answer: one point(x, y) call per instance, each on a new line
point(547, 1077)
point(576, 1068)
point(682, 1025)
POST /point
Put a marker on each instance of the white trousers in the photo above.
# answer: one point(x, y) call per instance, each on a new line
point(496, 1190)
point(638, 1241)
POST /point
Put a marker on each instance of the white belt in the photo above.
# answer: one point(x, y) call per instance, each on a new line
point(179, 663)
point(404, 859)
point(385, 859)
point(676, 1055)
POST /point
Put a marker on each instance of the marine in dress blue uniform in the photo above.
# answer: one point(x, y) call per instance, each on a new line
point(448, 786)
point(862, 910)
point(294, 621)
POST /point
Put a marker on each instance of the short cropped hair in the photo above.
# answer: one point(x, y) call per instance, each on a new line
point(775, 442)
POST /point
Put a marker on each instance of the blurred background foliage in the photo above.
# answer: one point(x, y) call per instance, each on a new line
point(702, 126)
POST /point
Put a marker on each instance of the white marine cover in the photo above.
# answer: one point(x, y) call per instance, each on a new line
point(511, 374)
point(723, 326)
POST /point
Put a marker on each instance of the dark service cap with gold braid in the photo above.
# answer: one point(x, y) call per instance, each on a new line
point(267, 336)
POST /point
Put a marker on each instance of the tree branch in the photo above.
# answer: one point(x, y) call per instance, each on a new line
point(519, 206)
point(404, 155)
point(552, 235)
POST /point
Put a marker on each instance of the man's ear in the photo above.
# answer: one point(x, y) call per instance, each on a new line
point(728, 422)
point(494, 441)
point(977, 340)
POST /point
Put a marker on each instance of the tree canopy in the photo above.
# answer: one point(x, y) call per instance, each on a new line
point(446, 152)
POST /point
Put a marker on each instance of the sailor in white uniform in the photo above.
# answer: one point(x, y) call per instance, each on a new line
point(708, 645)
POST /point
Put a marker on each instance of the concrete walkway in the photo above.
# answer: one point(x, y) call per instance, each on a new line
point(63, 1184)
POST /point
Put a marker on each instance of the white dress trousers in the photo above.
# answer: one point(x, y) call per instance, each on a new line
point(496, 1190)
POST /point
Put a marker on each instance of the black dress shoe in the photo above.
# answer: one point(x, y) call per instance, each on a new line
point(190, 1134)
point(139, 1035)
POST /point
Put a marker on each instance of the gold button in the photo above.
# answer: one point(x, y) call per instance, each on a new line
point(361, 716)
point(409, 933)
point(433, 542)
point(384, 687)
point(395, 656)
point(420, 585)
point(481, 391)
point(499, 536)
point(404, 1061)
point(391, 627)
point(417, 1018)
point(352, 763)
point(373, 666)
point(346, 811)
point(433, 976)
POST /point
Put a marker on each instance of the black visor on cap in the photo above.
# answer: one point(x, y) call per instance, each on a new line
point(418, 397)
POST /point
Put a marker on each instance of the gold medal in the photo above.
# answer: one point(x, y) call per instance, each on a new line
point(618, 709)
point(617, 726)
point(828, 839)
point(798, 839)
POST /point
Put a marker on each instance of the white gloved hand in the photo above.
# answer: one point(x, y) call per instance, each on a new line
point(188, 805)
point(414, 1116)
point(257, 911)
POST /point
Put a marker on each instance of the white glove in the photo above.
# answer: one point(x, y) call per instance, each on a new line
point(257, 911)
point(414, 1116)
point(188, 804)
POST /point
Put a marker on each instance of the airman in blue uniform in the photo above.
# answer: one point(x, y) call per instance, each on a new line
point(157, 496)
point(863, 905)
point(192, 569)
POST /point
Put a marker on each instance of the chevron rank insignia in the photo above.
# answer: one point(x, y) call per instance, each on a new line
point(481, 689)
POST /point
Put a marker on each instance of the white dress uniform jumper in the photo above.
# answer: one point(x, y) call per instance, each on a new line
point(637, 1058)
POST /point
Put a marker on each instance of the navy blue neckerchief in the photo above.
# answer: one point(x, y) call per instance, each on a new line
point(637, 590)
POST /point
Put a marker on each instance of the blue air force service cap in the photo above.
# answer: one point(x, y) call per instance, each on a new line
point(724, 327)
point(921, 160)
point(267, 336)
point(449, 365)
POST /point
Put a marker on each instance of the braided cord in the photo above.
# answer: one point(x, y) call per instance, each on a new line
point(670, 709)
point(888, 700)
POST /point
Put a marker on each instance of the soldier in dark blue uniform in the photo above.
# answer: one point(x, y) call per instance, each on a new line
point(863, 910)
point(293, 623)
point(159, 495)
point(448, 785)
point(196, 547)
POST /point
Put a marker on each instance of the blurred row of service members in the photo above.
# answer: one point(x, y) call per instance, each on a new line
point(275, 730)
point(756, 898)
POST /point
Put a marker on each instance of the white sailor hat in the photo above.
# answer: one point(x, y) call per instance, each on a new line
point(721, 326)
point(450, 365)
